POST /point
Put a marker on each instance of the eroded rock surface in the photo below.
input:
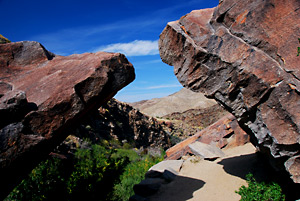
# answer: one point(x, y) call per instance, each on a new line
point(43, 95)
point(244, 55)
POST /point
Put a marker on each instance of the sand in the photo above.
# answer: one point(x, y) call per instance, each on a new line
point(212, 180)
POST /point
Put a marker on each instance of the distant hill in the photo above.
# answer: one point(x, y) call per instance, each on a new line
point(180, 101)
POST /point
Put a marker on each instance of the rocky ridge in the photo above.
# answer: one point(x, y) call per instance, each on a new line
point(184, 113)
point(42, 95)
point(188, 123)
point(119, 121)
point(244, 55)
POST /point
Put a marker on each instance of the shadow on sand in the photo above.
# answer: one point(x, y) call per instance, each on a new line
point(256, 164)
point(181, 189)
point(240, 166)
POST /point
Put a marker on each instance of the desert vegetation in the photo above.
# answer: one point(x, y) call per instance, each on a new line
point(96, 172)
point(256, 191)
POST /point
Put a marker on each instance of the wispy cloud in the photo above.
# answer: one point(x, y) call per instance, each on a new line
point(142, 88)
point(133, 93)
point(134, 48)
point(87, 38)
point(130, 98)
point(164, 86)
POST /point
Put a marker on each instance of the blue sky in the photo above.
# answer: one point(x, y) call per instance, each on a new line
point(67, 27)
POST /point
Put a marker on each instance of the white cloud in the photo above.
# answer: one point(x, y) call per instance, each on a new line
point(134, 48)
point(130, 98)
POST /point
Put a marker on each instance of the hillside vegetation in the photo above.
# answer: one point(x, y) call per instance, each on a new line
point(93, 172)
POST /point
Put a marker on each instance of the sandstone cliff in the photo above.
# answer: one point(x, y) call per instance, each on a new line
point(244, 55)
point(42, 95)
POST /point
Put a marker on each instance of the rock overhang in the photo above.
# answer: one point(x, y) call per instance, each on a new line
point(239, 53)
point(42, 95)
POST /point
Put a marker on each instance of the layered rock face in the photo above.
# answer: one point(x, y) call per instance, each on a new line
point(244, 55)
point(43, 95)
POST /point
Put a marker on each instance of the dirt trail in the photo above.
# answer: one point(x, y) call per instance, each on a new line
point(212, 180)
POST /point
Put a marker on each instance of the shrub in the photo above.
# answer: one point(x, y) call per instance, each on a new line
point(94, 173)
point(134, 173)
point(43, 183)
point(260, 191)
point(123, 153)
point(91, 175)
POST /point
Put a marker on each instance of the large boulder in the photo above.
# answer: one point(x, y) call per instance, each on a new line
point(206, 151)
point(244, 55)
point(43, 95)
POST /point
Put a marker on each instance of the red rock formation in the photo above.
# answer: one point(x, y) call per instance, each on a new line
point(244, 55)
point(42, 95)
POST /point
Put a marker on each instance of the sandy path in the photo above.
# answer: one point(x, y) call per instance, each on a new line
point(212, 180)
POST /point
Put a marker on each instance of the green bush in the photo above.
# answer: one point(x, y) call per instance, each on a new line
point(91, 173)
point(94, 173)
point(123, 153)
point(257, 191)
point(43, 183)
point(134, 173)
